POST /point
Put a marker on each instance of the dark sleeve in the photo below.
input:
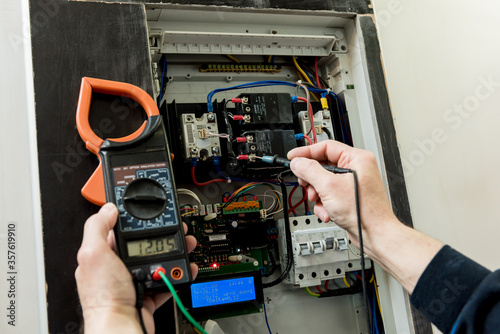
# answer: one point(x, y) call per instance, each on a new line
point(457, 294)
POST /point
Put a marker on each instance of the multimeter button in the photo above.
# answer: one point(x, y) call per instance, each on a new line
point(156, 276)
point(145, 199)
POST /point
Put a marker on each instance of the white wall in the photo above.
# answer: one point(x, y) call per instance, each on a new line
point(439, 57)
point(19, 186)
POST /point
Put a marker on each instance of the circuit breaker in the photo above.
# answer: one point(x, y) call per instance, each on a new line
point(321, 251)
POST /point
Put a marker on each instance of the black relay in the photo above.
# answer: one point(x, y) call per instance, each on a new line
point(265, 108)
point(268, 142)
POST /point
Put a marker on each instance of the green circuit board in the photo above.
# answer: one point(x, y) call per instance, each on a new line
point(232, 241)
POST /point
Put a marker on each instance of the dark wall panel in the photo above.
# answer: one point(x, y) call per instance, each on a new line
point(72, 40)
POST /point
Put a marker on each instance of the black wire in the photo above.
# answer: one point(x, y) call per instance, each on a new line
point(139, 293)
point(339, 170)
point(328, 133)
point(361, 248)
point(273, 264)
point(288, 236)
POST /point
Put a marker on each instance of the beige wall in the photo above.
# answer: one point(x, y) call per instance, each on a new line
point(442, 62)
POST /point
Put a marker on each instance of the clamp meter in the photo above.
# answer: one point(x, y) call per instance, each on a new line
point(135, 173)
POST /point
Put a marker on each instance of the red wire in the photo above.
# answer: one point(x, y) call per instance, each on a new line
point(311, 116)
point(316, 70)
point(308, 139)
point(290, 200)
point(319, 289)
point(203, 183)
point(306, 202)
point(299, 203)
point(326, 285)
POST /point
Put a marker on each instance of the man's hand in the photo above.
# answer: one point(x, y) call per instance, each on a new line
point(105, 287)
point(402, 251)
point(334, 193)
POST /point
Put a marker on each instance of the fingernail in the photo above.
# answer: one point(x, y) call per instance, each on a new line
point(296, 162)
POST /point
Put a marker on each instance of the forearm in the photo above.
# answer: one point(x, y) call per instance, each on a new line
point(401, 251)
point(123, 320)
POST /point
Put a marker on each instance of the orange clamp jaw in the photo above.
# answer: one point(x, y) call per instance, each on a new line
point(94, 189)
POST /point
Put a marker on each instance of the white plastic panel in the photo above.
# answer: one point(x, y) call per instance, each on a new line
point(263, 44)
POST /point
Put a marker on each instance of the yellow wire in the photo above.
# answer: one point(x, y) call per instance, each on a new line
point(233, 58)
point(372, 279)
point(304, 77)
point(378, 299)
point(345, 282)
point(187, 213)
point(269, 59)
point(301, 71)
point(311, 293)
point(195, 329)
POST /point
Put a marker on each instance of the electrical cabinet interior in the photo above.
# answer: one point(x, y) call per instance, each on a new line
point(226, 85)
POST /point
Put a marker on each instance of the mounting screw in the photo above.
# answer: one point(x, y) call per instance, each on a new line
point(249, 138)
point(194, 152)
point(215, 150)
point(211, 117)
point(244, 100)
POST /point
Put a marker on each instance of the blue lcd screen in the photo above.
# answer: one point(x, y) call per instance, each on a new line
point(226, 291)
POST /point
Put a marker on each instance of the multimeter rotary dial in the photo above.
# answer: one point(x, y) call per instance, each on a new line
point(145, 199)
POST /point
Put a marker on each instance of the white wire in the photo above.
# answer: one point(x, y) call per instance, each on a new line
point(299, 83)
point(273, 197)
point(187, 192)
point(272, 214)
point(221, 135)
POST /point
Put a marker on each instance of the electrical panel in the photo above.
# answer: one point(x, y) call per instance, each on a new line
point(228, 100)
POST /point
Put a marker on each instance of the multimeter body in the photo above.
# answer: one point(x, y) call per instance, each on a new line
point(135, 173)
point(149, 232)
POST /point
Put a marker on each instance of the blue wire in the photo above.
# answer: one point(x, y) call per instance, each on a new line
point(282, 83)
point(267, 322)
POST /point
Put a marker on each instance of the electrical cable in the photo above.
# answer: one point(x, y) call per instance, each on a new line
point(345, 282)
point(139, 279)
point(267, 321)
point(312, 293)
point(326, 285)
point(306, 201)
point(308, 139)
point(311, 112)
point(187, 192)
point(360, 236)
point(163, 74)
point(328, 133)
point(179, 303)
point(302, 200)
point(319, 289)
point(316, 71)
point(288, 237)
point(290, 201)
point(202, 184)
point(233, 58)
point(301, 71)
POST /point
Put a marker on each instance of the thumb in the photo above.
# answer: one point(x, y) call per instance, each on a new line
point(311, 172)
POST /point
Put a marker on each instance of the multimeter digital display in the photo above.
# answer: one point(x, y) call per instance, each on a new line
point(146, 247)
